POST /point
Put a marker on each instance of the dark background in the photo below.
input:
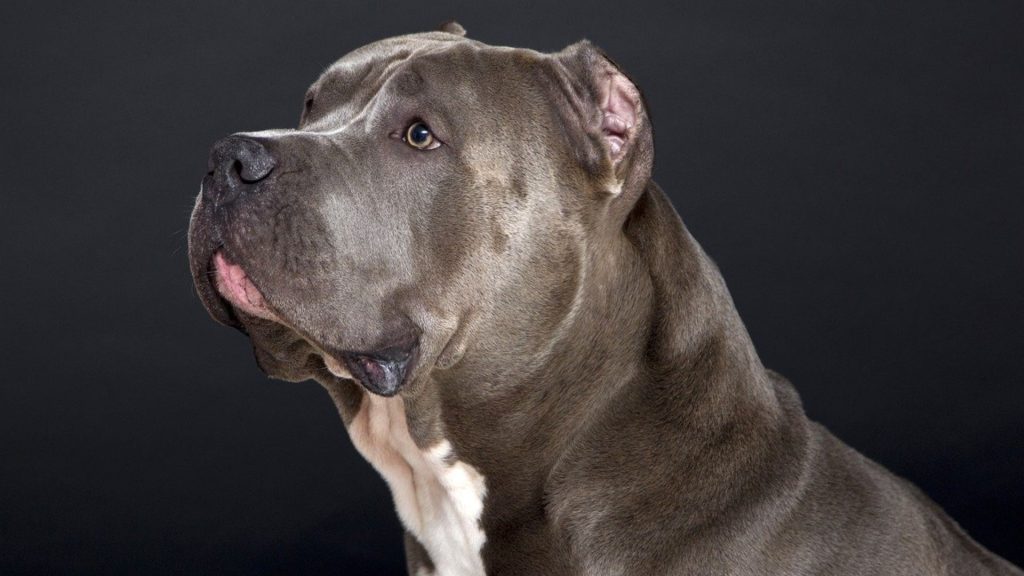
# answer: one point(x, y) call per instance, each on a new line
point(855, 168)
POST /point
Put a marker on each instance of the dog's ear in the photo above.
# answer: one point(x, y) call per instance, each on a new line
point(452, 27)
point(606, 120)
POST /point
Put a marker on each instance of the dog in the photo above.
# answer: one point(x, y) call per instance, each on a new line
point(463, 245)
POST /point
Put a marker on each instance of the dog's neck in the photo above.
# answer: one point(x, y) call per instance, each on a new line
point(693, 318)
point(653, 323)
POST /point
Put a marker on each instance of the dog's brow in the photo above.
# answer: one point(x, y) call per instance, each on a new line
point(342, 78)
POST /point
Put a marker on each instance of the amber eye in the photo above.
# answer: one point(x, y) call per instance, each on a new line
point(419, 136)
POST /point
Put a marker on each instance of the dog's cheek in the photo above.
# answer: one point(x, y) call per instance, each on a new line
point(451, 229)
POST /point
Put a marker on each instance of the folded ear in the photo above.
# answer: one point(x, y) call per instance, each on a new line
point(606, 120)
point(452, 27)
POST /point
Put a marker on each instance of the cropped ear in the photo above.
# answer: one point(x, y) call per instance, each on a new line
point(605, 119)
point(452, 27)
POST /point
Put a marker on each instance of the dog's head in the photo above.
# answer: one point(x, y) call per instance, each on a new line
point(432, 206)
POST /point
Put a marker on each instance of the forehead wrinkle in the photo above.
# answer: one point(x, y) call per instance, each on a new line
point(353, 80)
point(374, 70)
point(358, 105)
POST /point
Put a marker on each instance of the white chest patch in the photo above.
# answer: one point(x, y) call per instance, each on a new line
point(438, 501)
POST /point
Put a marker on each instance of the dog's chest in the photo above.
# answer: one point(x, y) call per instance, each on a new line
point(438, 500)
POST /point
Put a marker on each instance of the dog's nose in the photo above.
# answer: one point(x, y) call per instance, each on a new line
point(236, 164)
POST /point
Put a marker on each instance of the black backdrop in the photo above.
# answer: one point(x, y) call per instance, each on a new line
point(854, 167)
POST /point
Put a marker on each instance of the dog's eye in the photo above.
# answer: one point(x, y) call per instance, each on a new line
point(419, 136)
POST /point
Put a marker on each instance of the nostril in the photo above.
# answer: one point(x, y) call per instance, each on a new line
point(236, 163)
point(254, 171)
point(253, 162)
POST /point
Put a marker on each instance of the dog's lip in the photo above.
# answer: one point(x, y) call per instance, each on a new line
point(234, 285)
point(385, 372)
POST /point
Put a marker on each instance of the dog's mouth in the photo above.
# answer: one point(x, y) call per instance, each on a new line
point(382, 372)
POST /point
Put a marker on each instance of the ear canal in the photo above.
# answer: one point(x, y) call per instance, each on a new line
point(620, 109)
point(452, 27)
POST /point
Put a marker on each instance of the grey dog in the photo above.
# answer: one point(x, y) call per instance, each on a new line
point(462, 243)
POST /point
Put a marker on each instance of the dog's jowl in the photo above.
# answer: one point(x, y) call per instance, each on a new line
point(462, 243)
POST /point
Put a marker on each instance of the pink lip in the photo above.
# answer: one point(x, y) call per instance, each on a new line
point(234, 285)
